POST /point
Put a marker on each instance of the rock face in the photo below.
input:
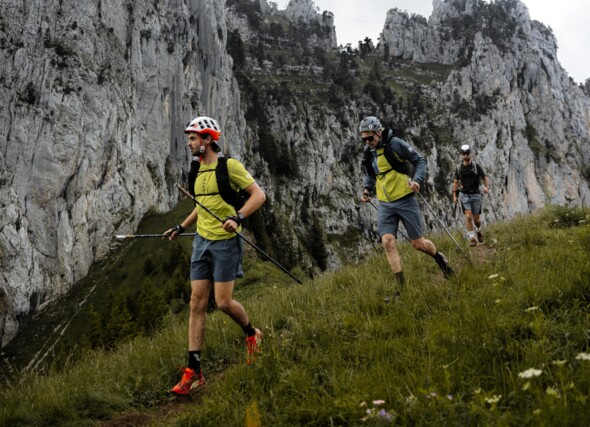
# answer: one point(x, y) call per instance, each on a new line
point(94, 97)
point(509, 98)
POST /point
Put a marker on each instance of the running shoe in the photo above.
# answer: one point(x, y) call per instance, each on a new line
point(190, 381)
point(253, 346)
point(444, 265)
point(394, 297)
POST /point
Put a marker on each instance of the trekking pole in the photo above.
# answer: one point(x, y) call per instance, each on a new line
point(456, 205)
point(194, 199)
point(399, 231)
point(145, 236)
point(445, 228)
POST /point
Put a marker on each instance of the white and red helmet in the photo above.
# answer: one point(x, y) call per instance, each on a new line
point(204, 125)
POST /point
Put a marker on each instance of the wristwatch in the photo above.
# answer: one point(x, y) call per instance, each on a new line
point(241, 216)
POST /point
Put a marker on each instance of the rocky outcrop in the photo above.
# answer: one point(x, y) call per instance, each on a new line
point(94, 97)
point(508, 97)
point(311, 28)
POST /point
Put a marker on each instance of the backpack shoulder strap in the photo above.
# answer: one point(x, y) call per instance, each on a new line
point(227, 193)
point(192, 176)
point(400, 166)
point(368, 162)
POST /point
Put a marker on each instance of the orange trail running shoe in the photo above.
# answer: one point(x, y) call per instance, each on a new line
point(253, 346)
point(190, 381)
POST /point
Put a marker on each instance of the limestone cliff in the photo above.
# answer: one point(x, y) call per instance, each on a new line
point(94, 97)
point(93, 100)
point(507, 96)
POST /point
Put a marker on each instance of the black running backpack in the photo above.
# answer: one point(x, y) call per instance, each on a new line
point(235, 198)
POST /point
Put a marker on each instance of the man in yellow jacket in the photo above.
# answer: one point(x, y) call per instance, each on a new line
point(387, 162)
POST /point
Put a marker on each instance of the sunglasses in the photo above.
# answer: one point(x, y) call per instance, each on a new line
point(367, 138)
point(465, 154)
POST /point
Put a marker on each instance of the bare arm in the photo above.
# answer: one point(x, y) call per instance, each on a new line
point(455, 190)
point(256, 199)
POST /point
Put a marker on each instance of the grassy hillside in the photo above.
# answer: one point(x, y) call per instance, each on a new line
point(505, 342)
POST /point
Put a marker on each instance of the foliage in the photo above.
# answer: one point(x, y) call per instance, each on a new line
point(505, 342)
point(250, 9)
point(235, 47)
point(316, 243)
point(494, 20)
point(118, 300)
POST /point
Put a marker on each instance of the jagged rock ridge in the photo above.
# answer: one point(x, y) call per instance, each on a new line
point(94, 97)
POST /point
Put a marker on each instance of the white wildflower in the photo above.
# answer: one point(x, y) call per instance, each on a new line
point(559, 362)
point(552, 391)
point(530, 373)
point(532, 309)
point(493, 276)
point(583, 356)
point(494, 399)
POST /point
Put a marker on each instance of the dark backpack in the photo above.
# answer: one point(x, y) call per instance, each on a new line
point(235, 198)
point(400, 166)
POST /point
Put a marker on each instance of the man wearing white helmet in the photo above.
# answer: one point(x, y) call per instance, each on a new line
point(217, 251)
point(387, 162)
point(467, 179)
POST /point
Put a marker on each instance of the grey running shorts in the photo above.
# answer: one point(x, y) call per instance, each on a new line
point(217, 260)
point(407, 210)
point(471, 202)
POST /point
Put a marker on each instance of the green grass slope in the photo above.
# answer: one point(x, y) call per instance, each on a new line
point(505, 342)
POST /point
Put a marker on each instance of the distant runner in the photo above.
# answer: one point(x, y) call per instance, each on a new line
point(467, 179)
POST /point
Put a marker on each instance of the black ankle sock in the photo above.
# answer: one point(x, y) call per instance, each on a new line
point(399, 277)
point(194, 360)
point(437, 257)
point(249, 330)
